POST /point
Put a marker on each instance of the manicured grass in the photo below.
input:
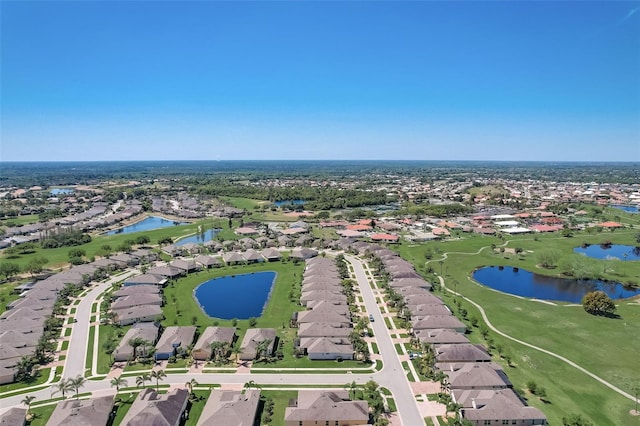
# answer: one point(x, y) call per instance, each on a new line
point(7, 295)
point(126, 400)
point(281, 401)
point(41, 414)
point(243, 203)
point(106, 333)
point(19, 220)
point(398, 347)
point(589, 341)
point(374, 348)
point(59, 256)
point(43, 376)
point(65, 345)
point(197, 406)
point(182, 309)
point(89, 360)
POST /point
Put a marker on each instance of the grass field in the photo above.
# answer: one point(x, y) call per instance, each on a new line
point(606, 347)
point(281, 401)
point(7, 295)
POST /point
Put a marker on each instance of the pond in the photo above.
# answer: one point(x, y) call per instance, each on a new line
point(527, 284)
point(628, 209)
point(289, 203)
point(207, 235)
point(612, 251)
point(61, 191)
point(235, 296)
point(151, 222)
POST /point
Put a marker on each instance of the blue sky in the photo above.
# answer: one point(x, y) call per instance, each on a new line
point(484, 80)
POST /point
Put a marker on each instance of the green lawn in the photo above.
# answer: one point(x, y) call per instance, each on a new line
point(592, 342)
point(41, 414)
point(107, 333)
point(59, 256)
point(43, 376)
point(19, 220)
point(197, 406)
point(281, 401)
point(89, 360)
point(7, 295)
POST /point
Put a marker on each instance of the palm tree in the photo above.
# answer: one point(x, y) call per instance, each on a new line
point(142, 379)
point(158, 375)
point(190, 384)
point(236, 350)
point(27, 400)
point(261, 349)
point(352, 388)
point(76, 384)
point(118, 382)
point(134, 343)
point(251, 385)
point(62, 386)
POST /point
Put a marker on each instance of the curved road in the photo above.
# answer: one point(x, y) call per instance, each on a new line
point(392, 376)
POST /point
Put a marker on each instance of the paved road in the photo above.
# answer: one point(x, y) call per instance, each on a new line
point(392, 376)
point(79, 341)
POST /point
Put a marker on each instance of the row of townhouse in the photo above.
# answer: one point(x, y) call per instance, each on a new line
point(23, 323)
point(324, 328)
point(476, 383)
point(223, 407)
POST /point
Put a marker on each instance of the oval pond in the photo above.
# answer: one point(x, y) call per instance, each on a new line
point(151, 222)
point(527, 284)
point(235, 296)
point(614, 251)
point(207, 235)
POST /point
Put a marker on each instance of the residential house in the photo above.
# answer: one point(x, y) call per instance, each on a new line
point(144, 313)
point(147, 331)
point(151, 408)
point(139, 299)
point(146, 279)
point(461, 352)
point(202, 349)
point(313, 408)
point(14, 417)
point(503, 407)
point(230, 408)
point(82, 412)
point(252, 339)
point(174, 339)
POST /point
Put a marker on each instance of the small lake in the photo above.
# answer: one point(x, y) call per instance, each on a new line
point(207, 235)
point(628, 209)
point(61, 191)
point(614, 251)
point(527, 284)
point(289, 203)
point(235, 296)
point(151, 222)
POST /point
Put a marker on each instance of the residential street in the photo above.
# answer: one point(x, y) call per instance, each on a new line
point(392, 376)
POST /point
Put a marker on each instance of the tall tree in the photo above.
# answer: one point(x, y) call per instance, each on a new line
point(76, 383)
point(142, 379)
point(598, 303)
point(118, 382)
point(63, 386)
point(27, 400)
point(158, 375)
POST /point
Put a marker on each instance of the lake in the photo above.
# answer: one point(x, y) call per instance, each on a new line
point(524, 283)
point(235, 296)
point(289, 203)
point(61, 191)
point(151, 222)
point(629, 209)
point(207, 235)
point(614, 251)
